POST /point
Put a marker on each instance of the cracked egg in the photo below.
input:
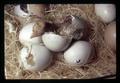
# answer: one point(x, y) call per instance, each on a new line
point(36, 58)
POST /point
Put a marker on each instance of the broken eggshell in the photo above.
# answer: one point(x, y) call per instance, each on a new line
point(31, 33)
point(55, 42)
point(25, 10)
point(79, 53)
point(72, 26)
point(36, 58)
point(19, 12)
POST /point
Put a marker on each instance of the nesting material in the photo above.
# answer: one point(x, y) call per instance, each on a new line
point(103, 64)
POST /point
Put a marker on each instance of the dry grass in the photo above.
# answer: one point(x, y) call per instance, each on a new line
point(105, 64)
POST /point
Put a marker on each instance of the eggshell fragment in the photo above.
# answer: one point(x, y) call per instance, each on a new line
point(19, 12)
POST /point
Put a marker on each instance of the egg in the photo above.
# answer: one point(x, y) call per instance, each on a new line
point(110, 35)
point(36, 58)
point(31, 33)
point(19, 12)
point(73, 26)
point(55, 42)
point(106, 12)
point(78, 54)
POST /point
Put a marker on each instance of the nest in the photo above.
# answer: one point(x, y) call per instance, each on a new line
point(103, 64)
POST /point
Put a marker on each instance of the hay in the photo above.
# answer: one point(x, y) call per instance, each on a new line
point(104, 64)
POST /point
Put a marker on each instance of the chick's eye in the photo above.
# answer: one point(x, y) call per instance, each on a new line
point(78, 61)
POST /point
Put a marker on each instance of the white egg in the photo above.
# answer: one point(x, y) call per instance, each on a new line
point(36, 58)
point(55, 42)
point(78, 54)
point(107, 12)
point(19, 12)
point(25, 35)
